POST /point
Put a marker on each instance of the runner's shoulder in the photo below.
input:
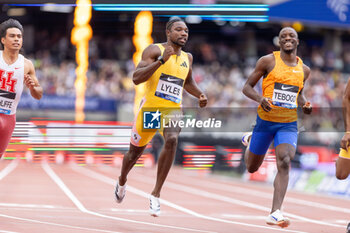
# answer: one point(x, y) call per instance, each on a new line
point(266, 62)
point(267, 58)
point(152, 50)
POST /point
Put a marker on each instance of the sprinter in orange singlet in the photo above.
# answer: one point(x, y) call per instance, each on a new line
point(284, 75)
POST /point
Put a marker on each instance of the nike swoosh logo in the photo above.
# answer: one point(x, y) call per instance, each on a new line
point(3, 93)
point(296, 71)
point(16, 68)
point(285, 88)
point(172, 80)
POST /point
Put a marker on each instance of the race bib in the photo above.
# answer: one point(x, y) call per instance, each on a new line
point(285, 95)
point(170, 88)
point(6, 101)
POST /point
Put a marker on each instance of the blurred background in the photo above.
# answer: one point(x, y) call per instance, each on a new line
point(225, 43)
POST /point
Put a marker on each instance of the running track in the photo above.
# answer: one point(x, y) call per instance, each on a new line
point(71, 198)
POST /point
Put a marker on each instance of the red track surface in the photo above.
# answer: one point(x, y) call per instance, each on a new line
point(68, 198)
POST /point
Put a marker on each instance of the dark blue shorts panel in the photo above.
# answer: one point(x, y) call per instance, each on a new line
point(266, 131)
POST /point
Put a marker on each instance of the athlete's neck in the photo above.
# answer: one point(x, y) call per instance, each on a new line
point(10, 56)
point(289, 58)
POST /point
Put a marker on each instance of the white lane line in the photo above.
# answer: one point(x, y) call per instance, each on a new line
point(218, 197)
point(312, 220)
point(130, 211)
point(261, 194)
point(28, 205)
point(3, 231)
point(136, 191)
point(55, 224)
point(317, 205)
point(342, 221)
point(240, 216)
point(81, 207)
point(9, 168)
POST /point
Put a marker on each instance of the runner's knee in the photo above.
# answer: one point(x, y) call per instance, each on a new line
point(132, 155)
point(284, 162)
point(341, 175)
point(171, 141)
point(251, 167)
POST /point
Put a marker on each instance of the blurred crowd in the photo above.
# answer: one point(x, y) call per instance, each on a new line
point(220, 69)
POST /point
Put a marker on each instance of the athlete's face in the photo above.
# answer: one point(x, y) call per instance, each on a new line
point(288, 40)
point(178, 34)
point(13, 39)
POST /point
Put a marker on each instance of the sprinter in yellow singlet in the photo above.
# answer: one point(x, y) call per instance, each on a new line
point(342, 165)
point(166, 71)
point(343, 162)
point(284, 75)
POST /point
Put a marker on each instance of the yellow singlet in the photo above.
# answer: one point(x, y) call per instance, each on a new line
point(162, 99)
point(282, 85)
point(164, 88)
point(344, 154)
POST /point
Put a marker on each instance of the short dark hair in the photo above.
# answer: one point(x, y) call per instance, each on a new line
point(10, 23)
point(285, 28)
point(171, 21)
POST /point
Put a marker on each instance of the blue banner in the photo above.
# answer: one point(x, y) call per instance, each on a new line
point(332, 13)
point(67, 103)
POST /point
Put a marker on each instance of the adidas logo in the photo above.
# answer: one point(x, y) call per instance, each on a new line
point(184, 64)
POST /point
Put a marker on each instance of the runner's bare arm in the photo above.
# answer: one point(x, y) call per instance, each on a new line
point(148, 64)
point(191, 86)
point(260, 70)
point(306, 106)
point(346, 115)
point(31, 81)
